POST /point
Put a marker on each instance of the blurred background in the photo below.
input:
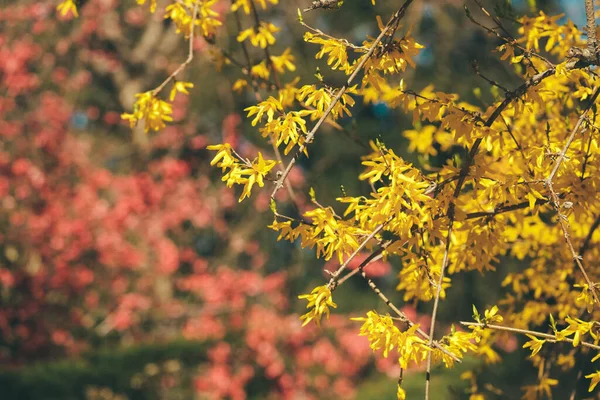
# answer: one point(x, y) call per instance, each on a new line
point(128, 271)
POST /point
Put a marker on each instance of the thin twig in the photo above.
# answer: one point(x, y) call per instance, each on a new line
point(375, 256)
point(267, 53)
point(590, 25)
point(189, 59)
point(504, 209)
point(588, 239)
point(546, 336)
point(492, 82)
point(587, 156)
point(509, 39)
point(577, 379)
point(336, 275)
point(400, 377)
point(343, 41)
point(437, 295)
point(519, 147)
point(238, 23)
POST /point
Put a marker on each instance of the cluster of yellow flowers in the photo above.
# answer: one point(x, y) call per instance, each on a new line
point(154, 112)
point(241, 172)
point(526, 189)
point(261, 36)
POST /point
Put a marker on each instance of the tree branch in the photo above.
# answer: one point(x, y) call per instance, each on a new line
point(324, 4)
point(546, 336)
point(590, 26)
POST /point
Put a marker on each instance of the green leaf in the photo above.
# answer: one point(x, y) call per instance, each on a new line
point(318, 75)
point(312, 194)
point(476, 315)
point(553, 323)
point(457, 160)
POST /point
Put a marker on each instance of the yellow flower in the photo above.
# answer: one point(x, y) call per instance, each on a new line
point(260, 168)
point(181, 13)
point(396, 58)
point(585, 297)
point(208, 17)
point(321, 99)
point(262, 38)
point(422, 140)
point(239, 85)
point(181, 17)
point(180, 87)
point(284, 61)
point(66, 6)
point(383, 334)
point(491, 317)
point(246, 6)
point(401, 394)
point(224, 158)
point(150, 109)
point(595, 377)
point(241, 172)
point(287, 129)
point(380, 330)
point(260, 70)
point(535, 344)
point(320, 300)
point(270, 106)
point(152, 4)
point(579, 328)
point(335, 50)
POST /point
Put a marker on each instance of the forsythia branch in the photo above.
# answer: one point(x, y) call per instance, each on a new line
point(546, 336)
point(325, 4)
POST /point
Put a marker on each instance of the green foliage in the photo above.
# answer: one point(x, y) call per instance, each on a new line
point(114, 368)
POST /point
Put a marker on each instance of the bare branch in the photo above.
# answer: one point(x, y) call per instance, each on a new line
point(189, 59)
point(324, 4)
point(437, 295)
point(590, 26)
point(335, 277)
